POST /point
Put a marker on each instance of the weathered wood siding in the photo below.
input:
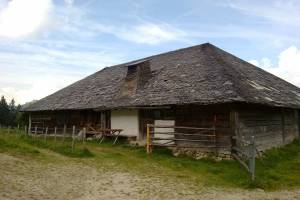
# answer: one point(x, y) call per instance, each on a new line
point(271, 127)
point(207, 117)
point(69, 118)
point(148, 116)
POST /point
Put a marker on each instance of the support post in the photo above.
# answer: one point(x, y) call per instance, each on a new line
point(46, 132)
point(234, 126)
point(103, 119)
point(73, 137)
point(64, 132)
point(55, 130)
point(215, 137)
point(252, 158)
point(149, 150)
point(29, 123)
point(84, 136)
point(35, 131)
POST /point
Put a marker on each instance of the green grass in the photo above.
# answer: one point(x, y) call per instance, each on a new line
point(17, 148)
point(25, 144)
point(63, 148)
point(278, 169)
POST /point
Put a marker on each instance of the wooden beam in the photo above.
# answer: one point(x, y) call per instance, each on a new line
point(148, 140)
point(282, 126)
point(234, 122)
point(29, 123)
point(103, 120)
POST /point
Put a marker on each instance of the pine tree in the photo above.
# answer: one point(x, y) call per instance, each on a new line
point(12, 113)
point(4, 112)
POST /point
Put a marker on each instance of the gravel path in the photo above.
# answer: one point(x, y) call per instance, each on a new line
point(22, 178)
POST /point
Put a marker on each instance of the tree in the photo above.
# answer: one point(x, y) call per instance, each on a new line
point(20, 118)
point(12, 113)
point(4, 112)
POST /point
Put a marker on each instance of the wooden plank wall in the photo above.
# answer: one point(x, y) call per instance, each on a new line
point(147, 116)
point(203, 116)
point(272, 127)
point(78, 118)
point(290, 125)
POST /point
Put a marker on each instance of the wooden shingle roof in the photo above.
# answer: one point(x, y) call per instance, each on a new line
point(202, 74)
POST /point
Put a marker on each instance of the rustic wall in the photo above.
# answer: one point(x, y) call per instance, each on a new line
point(148, 116)
point(271, 126)
point(80, 119)
point(208, 116)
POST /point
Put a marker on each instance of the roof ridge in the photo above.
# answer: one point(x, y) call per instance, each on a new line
point(203, 74)
point(216, 54)
point(164, 53)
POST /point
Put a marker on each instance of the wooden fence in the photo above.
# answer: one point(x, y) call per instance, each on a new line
point(80, 134)
point(244, 152)
point(182, 137)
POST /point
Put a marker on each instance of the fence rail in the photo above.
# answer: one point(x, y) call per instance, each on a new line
point(244, 152)
point(182, 137)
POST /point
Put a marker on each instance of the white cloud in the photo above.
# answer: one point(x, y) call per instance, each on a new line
point(288, 67)
point(150, 33)
point(254, 62)
point(32, 70)
point(20, 18)
point(69, 2)
point(39, 87)
point(265, 63)
point(284, 12)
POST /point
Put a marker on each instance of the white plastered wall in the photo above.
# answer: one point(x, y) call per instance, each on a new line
point(127, 120)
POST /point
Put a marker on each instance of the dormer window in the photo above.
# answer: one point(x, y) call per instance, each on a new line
point(131, 72)
point(138, 73)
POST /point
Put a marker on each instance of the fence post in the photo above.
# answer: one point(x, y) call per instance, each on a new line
point(252, 158)
point(25, 130)
point(35, 131)
point(83, 136)
point(46, 132)
point(64, 132)
point(73, 137)
point(55, 130)
point(148, 140)
point(29, 123)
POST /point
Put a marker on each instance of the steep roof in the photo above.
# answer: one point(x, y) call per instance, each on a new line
point(202, 74)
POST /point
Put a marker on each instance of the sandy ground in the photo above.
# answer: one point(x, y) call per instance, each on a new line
point(22, 178)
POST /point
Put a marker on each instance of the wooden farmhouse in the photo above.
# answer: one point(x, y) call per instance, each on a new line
point(200, 86)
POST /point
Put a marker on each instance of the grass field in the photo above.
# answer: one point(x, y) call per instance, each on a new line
point(278, 170)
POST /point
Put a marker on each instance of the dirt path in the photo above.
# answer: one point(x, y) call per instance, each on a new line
point(22, 178)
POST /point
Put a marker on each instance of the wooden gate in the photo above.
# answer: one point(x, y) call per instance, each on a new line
point(182, 137)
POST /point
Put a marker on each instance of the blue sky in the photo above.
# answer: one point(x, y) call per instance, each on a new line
point(47, 44)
